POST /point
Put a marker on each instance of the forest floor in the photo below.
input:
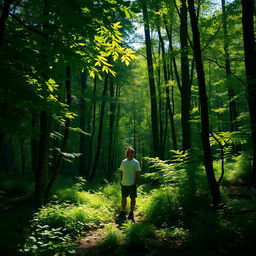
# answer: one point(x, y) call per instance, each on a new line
point(15, 213)
point(91, 244)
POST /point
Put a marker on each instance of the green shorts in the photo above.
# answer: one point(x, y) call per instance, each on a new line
point(129, 191)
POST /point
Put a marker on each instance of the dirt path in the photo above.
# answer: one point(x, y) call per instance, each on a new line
point(90, 245)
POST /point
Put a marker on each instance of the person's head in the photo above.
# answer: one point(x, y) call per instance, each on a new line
point(129, 152)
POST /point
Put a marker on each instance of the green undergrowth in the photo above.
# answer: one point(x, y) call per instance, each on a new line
point(174, 206)
point(71, 213)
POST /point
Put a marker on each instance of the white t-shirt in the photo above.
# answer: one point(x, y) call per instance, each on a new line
point(129, 168)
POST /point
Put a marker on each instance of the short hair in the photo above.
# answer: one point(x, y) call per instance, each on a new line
point(130, 149)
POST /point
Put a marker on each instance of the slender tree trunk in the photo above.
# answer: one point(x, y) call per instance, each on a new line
point(45, 121)
point(186, 86)
point(22, 157)
point(93, 130)
point(112, 109)
point(5, 14)
point(167, 91)
point(43, 154)
point(102, 111)
point(250, 63)
point(34, 145)
point(83, 143)
point(116, 125)
point(59, 161)
point(231, 93)
point(154, 118)
point(213, 185)
point(160, 107)
point(170, 100)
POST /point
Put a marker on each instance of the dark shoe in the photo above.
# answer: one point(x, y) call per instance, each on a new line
point(130, 216)
point(121, 215)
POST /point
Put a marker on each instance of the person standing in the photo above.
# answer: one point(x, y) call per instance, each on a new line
point(130, 171)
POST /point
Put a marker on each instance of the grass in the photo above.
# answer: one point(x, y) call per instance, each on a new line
point(176, 213)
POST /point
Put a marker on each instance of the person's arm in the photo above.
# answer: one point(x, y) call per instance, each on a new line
point(121, 169)
point(121, 176)
point(137, 174)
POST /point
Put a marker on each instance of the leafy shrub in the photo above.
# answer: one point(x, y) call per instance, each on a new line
point(242, 167)
point(58, 223)
point(137, 234)
point(111, 238)
point(172, 232)
point(160, 206)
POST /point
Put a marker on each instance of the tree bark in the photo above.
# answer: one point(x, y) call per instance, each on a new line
point(186, 85)
point(250, 63)
point(83, 143)
point(3, 18)
point(154, 118)
point(231, 93)
point(167, 91)
point(41, 175)
point(112, 109)
point(102, 111)
point(59, 161)
point(213, 185)
point(93, 130)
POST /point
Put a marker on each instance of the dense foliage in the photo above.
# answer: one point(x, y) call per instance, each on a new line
point(81, 80)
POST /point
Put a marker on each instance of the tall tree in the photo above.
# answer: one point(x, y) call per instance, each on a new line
point(153, 100)
point(112, 109)
point(41, 174)
point(250, 63)
point(185, 89)
point(59, 159)
point(167, 91)
point(100, 131)
point(231, 92)
point(213, 185)
point(83, 144)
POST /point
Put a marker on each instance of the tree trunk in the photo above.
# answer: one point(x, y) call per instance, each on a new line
point(213, 185)
point(93, 130)
point(186, 86)
point(250, 63)
point(45, 121)
point(3, 18)
point(22, 157)
point(102, 111)
point(154, 118)
point(41, 174)
point(59, 161)
point(112, 108)
point(83, 145)
point(5, 13)
point(231, 93)
point(34, 145)
point(167, 91)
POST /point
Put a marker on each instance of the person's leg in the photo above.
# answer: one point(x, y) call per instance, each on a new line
point(133, 203)
point(124, 202)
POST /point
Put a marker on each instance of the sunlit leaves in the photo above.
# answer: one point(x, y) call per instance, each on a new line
point(228, 138)
point(108, 47)
point(168, 170)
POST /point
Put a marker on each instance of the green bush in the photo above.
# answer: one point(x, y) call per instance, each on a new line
point(111, 238)
point(72, 213)
point(160, 207)
point(137, 234)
